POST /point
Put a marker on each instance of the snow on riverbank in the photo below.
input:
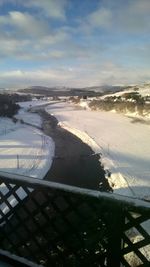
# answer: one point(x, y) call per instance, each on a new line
point(24, 150)
point(27, 114)
point(28, 117)
point(125, 146)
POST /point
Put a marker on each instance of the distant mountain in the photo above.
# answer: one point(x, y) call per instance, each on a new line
point(105, 88)
point(69, 91)
point(60, 91)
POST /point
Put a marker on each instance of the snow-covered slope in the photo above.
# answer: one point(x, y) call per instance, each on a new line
point(24, 150)
point(125, 145)
point(143, 90)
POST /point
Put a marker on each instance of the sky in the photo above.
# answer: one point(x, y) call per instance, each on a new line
point(74, 43)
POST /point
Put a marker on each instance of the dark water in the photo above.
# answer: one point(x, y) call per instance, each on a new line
point(73, 163)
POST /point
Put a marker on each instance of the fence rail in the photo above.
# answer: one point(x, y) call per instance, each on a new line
point(59, 225)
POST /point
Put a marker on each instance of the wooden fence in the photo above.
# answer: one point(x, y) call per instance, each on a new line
point(58, 225)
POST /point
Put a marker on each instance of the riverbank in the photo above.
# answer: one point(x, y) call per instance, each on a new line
point(73, 163)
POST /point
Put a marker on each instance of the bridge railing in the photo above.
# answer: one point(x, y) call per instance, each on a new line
point(58, 225)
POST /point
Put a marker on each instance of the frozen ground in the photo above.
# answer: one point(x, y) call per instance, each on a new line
point(24, 150)
point(125, 146)
point(27, 116)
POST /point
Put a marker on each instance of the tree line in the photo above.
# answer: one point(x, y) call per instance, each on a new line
point(8, 107)
point(128, 102)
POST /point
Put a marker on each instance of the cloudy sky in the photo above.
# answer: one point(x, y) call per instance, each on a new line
point(73, 42)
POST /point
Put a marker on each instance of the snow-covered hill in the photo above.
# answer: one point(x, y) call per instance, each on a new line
point(143, 90)
point(133, 102)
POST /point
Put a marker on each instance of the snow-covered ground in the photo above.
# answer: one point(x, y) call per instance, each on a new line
point(142, 90)
point(29, 116)
point(24, 145)
point(24, 150)
point(33, 103)
point(125, 146)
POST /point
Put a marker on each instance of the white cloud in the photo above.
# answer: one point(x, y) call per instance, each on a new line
point(140, 7)
point(134, 17)
point(80, 76)
point(55, 9)
point(56, 37)
point(29, 38)
point(11, 47)
point(52, 8)
point(24, 24)
point(49, 77)
point(100, 18)
point(130, 17)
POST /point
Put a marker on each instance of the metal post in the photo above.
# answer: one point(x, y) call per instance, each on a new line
point(115, 230)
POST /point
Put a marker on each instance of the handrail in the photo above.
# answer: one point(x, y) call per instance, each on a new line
point(111, 197)
point(49, 222)
point(14, 259)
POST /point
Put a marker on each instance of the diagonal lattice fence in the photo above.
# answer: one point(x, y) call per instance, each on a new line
point(57, 225)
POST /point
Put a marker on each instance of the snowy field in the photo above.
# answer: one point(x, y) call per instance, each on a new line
point(24, 150)
point(27, 116)
point(125, 146)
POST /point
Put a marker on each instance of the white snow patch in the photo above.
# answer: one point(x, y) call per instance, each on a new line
point(28, 117)
point(33, 103)
point(84, 104)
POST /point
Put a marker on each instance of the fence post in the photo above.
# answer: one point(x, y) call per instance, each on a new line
point(115, 231)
